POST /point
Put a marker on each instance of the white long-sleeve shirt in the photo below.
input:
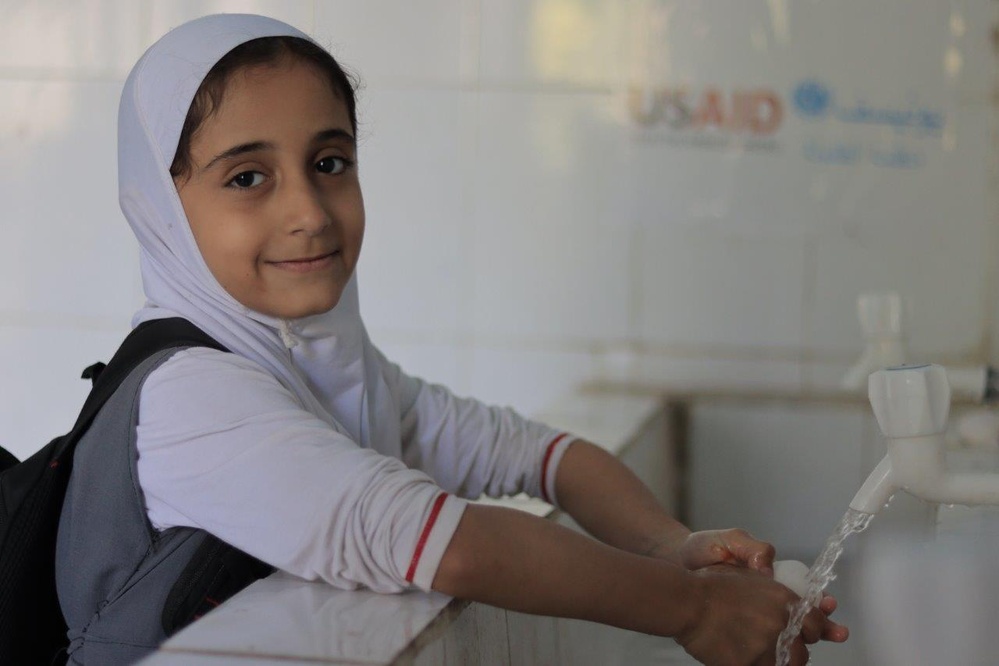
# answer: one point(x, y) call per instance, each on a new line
point(225, 447)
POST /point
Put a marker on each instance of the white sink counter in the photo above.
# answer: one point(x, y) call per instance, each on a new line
point(285, 620)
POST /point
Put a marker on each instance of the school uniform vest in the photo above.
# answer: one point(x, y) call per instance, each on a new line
point(123, 586)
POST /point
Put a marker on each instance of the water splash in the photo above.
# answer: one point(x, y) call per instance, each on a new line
point(819, 576)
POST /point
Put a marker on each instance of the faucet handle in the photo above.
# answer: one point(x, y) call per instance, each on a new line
point(910, 400)
point(880, 314)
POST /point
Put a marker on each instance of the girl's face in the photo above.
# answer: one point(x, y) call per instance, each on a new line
point(273, 196)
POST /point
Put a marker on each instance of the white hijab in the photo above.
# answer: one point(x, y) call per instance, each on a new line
point(333, 369)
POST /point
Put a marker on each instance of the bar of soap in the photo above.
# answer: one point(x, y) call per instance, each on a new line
point(793, 575)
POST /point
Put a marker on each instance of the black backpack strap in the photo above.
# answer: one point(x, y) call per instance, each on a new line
point(217, 570)
point(7, 459)
point(215, 573)
point(145, 340)
point(32, 628)
point(92, 372)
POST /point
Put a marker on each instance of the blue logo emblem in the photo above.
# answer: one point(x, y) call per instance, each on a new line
point(812, 99)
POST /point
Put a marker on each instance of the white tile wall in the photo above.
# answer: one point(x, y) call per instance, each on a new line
point(537, 42)
point(702, 372)
point(551, 255)
point(168, 14)
point(786, 474)
point(43, 392)
point(526, 379)
point(400, 42)
point(68, 250)
point(83, 37)
point(549, 158)
point(961, 25)
point(521, 228)
point(550, 283)
point(415, 270)
point(438, 362)
point(679, 186)
point(683, 38)
point(941, 276)
point(826, 376)
point(706, 289)
point(948, 195)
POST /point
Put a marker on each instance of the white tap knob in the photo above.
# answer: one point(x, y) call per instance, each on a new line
point(880, 315)
point(910, 400)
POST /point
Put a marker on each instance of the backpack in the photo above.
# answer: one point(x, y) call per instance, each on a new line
point(32, 628)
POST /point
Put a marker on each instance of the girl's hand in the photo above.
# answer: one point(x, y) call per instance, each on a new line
point(741, 614)
point(697, 550)
point(740, 550)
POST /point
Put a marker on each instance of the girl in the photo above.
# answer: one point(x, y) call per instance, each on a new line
point(305, 447)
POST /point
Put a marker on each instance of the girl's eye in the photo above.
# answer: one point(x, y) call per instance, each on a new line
point(331, 165)
point(247, 179)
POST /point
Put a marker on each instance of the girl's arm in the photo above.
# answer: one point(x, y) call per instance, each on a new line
point(612, 504)
point(516, 561)
point(468, 447)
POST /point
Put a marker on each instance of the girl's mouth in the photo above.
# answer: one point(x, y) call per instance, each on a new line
point(307, 265)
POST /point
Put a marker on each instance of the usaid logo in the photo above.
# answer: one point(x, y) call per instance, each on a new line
point(750, 111)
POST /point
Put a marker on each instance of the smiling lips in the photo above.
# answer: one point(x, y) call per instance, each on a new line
point(306, 265)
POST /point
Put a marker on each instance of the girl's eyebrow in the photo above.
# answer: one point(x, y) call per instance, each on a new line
point(253, 146)
point(235, 151)
point(334, 133)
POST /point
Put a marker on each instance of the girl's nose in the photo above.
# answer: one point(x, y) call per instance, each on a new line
point(304, 207)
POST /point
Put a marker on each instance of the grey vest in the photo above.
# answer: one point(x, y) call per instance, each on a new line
point(114, 571)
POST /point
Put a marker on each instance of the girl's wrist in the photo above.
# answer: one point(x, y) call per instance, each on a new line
point(667, 544)
point(655, 597)
point(690, 612)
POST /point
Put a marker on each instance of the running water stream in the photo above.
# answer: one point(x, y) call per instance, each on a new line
point(819, 576)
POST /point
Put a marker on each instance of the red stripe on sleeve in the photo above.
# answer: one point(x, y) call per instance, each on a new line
point(438, 503)
point(544, 467)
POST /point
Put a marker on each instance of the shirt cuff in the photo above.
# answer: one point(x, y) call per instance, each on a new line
point(445, 512)
point(549, 466)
